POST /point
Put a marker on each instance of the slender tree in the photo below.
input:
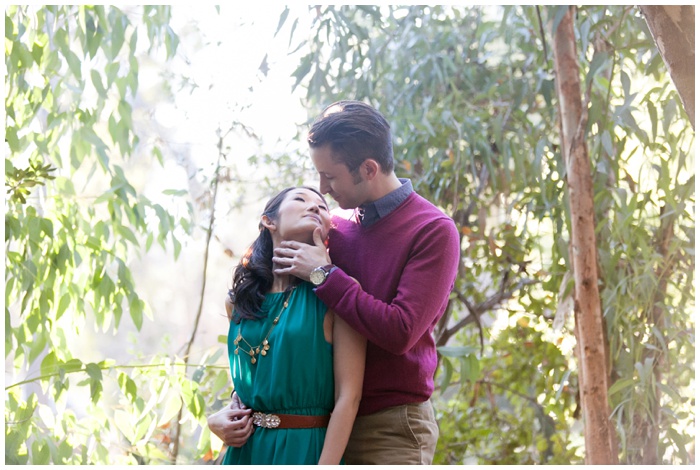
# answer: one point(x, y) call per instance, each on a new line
point(593, 377)
point(673, 30)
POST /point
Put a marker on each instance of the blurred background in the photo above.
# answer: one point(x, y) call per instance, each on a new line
point(141, 143)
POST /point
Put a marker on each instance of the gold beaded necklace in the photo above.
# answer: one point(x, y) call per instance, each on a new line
point(264, 346)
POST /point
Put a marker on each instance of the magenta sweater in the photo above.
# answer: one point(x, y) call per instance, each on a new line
point(406, 264)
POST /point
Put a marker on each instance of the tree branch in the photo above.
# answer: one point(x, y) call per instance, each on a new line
point(210, 230)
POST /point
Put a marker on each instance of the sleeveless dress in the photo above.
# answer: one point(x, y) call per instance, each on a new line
point(295, 377)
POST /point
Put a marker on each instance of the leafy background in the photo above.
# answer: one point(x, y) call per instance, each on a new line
point(121, 231)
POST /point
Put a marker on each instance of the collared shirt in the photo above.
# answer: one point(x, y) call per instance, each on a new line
point(370, 213)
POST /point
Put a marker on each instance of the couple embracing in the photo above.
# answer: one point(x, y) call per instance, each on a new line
point(331, 318)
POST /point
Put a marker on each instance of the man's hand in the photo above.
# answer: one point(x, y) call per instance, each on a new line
point(299, 259)
point(232, 424)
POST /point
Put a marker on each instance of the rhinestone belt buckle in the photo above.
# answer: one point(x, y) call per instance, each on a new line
point(265, 421)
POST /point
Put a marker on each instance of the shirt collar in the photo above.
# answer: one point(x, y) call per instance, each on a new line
point(370, 213)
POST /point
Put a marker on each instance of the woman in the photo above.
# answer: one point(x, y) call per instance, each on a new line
point(292, 360)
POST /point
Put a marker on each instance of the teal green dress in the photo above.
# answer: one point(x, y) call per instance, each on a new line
point(294, 377)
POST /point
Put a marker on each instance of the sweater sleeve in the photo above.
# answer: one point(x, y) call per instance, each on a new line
point(423, 289)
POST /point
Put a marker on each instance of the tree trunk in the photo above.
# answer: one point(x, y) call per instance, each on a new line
point(593, 378)
point(673, 30)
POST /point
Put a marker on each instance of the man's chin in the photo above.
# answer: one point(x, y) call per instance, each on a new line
point(342, 204)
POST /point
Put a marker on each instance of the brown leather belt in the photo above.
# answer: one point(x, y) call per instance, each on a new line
point(280, 421)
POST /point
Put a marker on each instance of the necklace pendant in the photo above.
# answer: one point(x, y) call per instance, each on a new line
point(266, 347)
point(257, 350)
point(235, 351)
point(253, 360)
point(264, 352)
point(251, 353)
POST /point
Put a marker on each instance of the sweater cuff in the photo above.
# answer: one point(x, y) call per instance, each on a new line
point(330, 292)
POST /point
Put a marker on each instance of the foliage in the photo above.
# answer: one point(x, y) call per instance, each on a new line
point(470, 92)
point(515, 409)
point(72, 80)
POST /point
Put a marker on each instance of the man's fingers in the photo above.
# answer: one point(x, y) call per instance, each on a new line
point(281, 271)
point(282, 261)
point(282, 252)
point(293, 244)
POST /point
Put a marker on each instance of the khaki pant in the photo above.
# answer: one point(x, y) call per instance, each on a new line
point(401, 435)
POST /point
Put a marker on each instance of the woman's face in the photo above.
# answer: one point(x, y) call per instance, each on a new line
point(300, 213)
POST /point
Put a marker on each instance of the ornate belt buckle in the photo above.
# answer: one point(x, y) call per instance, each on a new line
point(265, 421)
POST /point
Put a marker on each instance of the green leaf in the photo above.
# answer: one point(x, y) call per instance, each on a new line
point(37, 53)
point(220, 381)
point(122, 420)
point(626, 83)
point(128, 234)
point(97, 82)
point(619, 385)
point(283, 18)
point(9, 28)
point(128, 386)
point(457, 351)
point(171, 408)
point(94, 371)
point(680, 442)
point(560, 12)
point(136, 312)
point(49, 364)
point(40, 339)
point(653, 118)
point(198, 374)
point(118, 30)
point(175, 192)
point(111, 71)
point(74, 63)
point(599, 61)
point(606, 140)
point(73, 365)
point(171, 41)
point(40, 453)
point(447, 370)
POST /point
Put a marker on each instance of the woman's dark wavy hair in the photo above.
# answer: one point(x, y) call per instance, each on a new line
point(253, 276)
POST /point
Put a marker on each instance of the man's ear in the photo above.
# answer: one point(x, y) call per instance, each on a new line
point(268, 223)
point(370, 168)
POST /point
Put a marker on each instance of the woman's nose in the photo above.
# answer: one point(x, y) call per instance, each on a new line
point(314, 208)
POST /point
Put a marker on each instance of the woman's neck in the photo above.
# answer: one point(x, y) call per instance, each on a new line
point(281, 283)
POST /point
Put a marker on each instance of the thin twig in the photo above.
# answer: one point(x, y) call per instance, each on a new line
point(121, 366)
point(210, 230)
point(544, 42)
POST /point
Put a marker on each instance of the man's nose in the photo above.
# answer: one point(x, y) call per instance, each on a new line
point(323, 186)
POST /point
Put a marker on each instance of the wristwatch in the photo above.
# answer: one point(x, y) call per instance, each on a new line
point(319, 275)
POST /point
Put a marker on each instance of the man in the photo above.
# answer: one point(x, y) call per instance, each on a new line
point(388, 273)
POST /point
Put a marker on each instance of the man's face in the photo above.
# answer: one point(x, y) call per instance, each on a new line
point(349, 190)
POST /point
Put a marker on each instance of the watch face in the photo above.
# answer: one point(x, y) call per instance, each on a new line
point(317, 276)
